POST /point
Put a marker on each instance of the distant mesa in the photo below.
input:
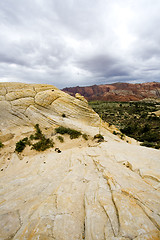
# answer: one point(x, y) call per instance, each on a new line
point(120, 92)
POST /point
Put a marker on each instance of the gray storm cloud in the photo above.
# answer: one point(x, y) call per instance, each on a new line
point(69, 43)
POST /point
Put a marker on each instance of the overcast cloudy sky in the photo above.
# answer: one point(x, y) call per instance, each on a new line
point(79, 42)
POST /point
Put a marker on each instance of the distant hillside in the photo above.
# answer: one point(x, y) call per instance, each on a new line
point(117, 91)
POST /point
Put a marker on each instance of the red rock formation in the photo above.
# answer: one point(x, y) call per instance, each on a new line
point(117, 91)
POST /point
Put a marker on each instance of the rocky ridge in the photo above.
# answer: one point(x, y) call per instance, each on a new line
point(90, 190)
point(25, 105)
point(120, 92)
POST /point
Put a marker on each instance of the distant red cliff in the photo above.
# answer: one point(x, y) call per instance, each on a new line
point(117, 91)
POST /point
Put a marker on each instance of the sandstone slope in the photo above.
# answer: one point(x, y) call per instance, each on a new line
point(90, 190)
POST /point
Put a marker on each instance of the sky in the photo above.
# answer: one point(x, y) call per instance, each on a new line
point(79, 42)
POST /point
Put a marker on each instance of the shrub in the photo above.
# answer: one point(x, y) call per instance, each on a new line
point(114, 132)
point(38, 134)
point(26, 141)
point(61, 139)
point(134, 119)
point(147, 144)
point(85, 136)
point(122, 136)
point(157, 146)
point(150, 144)
point(43, 144)
point(20, 146)
point(31, 137)
point(1, 144)
point(63, 115)
point(99, 137)
point(73, 133)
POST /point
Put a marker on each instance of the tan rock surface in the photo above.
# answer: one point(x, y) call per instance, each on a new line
point(90, 190)
point(26, 104)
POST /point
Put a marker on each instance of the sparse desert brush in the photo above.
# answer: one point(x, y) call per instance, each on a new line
point(60, 138)
point(114, 132)
point(38, 134)
point(85, 136)
point(72, 132)
point(26, 141)
point(43, 143)
point(122, 136)
point(99, 137)
point(1, 144)
point(150, 144)
point(134, 119)
point(20, 146)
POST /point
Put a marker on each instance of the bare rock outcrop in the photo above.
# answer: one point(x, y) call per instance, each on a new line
point(90, 190)
point(24, 104)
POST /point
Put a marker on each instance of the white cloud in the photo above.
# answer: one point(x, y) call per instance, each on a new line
point(68, 43)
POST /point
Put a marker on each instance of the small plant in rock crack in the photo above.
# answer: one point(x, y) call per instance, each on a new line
point(1, 144)
point(85, 136)
point(99, 137)
point(115, 133)
point(60, 138)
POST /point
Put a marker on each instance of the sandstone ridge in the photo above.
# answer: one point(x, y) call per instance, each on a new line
point(91, 190)
point(27, 104)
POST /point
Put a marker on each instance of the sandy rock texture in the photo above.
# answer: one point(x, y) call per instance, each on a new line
point(91, 191)
point(27, 104)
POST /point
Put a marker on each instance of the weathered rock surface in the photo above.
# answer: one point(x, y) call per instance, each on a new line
point(24, 104)
point(118, 91)
point(92, 191)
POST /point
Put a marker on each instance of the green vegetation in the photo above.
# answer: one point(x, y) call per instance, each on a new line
point(134, 119)
point(1, 144)
point(43, 143)
point(60, 138)
point(63, 115)
point(38, 134)
point(73, 133)
point(20, 146)
point(99, 137)
point(115, 133)
point(85, 136)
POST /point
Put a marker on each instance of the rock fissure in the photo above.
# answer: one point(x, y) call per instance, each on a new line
point(84, 223)
point(115, 227)
point(151, 177)
point(113, 230)
point(142, 205)
point(116, 209)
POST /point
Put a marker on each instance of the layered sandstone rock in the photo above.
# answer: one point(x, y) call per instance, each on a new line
point(90, 190)
point(23, 104)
